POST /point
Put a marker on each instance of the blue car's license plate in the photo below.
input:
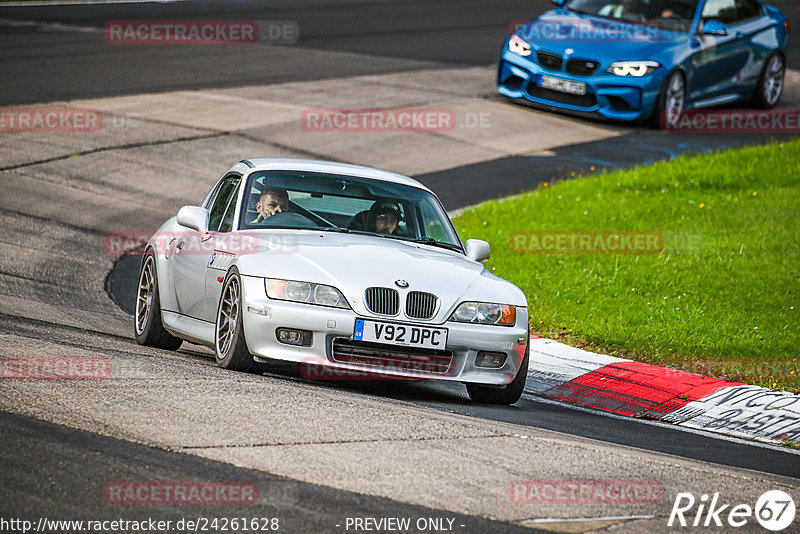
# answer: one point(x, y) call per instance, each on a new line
point(564, 86)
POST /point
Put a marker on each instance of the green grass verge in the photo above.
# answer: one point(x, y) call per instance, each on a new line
point(727, 305)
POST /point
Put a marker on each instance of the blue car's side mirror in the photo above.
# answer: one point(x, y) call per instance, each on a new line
point(559, 2)
point(714, 27)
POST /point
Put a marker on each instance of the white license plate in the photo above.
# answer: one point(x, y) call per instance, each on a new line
point(565, 86)
point(401, 334)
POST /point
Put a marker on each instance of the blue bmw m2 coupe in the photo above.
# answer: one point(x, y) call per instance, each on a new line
point(640, 60)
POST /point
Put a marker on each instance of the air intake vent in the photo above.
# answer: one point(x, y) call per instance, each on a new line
point(391, 358)
point(383, 300)
point(420, 305)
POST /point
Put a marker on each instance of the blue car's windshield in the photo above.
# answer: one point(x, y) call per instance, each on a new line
point(673, 15)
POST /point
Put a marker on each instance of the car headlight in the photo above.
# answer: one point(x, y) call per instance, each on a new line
point(519, 46)
point(636, 69)
point(485, 313)
point(305, 292)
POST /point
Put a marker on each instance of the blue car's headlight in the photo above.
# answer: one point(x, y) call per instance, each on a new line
point(519, 46)
point(485, 313)
point(306, 292)
point(637, 69)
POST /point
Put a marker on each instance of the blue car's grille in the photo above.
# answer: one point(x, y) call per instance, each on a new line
point(582, 67)
point(549, 61)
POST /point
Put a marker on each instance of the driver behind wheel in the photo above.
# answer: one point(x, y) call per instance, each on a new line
point(383, 218)
point(270, 202)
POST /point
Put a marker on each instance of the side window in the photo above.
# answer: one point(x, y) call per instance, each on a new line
point(227, 220)
point(220, 203)
point(747, 9)
point(721, 10)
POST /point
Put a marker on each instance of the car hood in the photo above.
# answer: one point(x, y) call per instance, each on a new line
point(353, 262)
point(597, 38)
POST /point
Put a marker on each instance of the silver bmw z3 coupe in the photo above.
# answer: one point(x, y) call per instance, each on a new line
point(334, 266)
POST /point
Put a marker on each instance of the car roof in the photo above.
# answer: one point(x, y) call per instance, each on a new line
point(310, 165)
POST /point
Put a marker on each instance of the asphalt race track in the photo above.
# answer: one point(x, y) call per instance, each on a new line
point(318, 453)
point(338, 38)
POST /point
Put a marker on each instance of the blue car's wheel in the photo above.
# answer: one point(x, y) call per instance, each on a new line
point(770, 83)
point(671, 100)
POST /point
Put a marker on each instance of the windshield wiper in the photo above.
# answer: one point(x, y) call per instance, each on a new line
point(335, 229)
point(432, 241)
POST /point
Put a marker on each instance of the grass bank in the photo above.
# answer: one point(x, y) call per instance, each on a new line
point(711, 284)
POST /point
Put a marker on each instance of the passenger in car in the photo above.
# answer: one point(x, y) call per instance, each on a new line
point(270, 202)
point(627, 10)
point(383, 218)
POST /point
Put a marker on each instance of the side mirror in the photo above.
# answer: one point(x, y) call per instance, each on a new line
point(194, 217)
point(478, 250)
point(714, 27)
point(559, 2)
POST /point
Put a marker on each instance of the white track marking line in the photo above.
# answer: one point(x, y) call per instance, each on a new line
point(583, 519)
point(49, 26)
point(706, 433)
point(99, 3)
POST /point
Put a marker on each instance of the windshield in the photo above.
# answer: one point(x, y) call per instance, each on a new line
point(340, 203)
point(673, 15)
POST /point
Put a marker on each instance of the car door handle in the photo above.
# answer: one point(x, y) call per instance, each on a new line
point(180, 244)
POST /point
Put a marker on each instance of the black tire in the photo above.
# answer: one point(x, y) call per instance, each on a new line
point(147, 325)
point(770, 83)
point(230, 345)
point(508, 394)
point(665, 115)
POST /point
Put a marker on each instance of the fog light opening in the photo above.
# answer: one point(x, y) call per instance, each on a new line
point(490, 360)
point(290, 336)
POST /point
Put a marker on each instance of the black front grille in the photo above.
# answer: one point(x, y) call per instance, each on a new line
point(584, 101)
point(391, 357)
point(383, 300)
point(582, 67)
point(549, 61)
point(421, 305)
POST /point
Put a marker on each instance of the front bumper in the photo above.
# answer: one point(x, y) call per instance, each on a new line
point(262, 316)
point(608, 96)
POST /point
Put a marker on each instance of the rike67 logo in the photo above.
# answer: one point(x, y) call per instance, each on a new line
point(774, 510)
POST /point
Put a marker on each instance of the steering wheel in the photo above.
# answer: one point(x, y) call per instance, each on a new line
point(288, 218)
